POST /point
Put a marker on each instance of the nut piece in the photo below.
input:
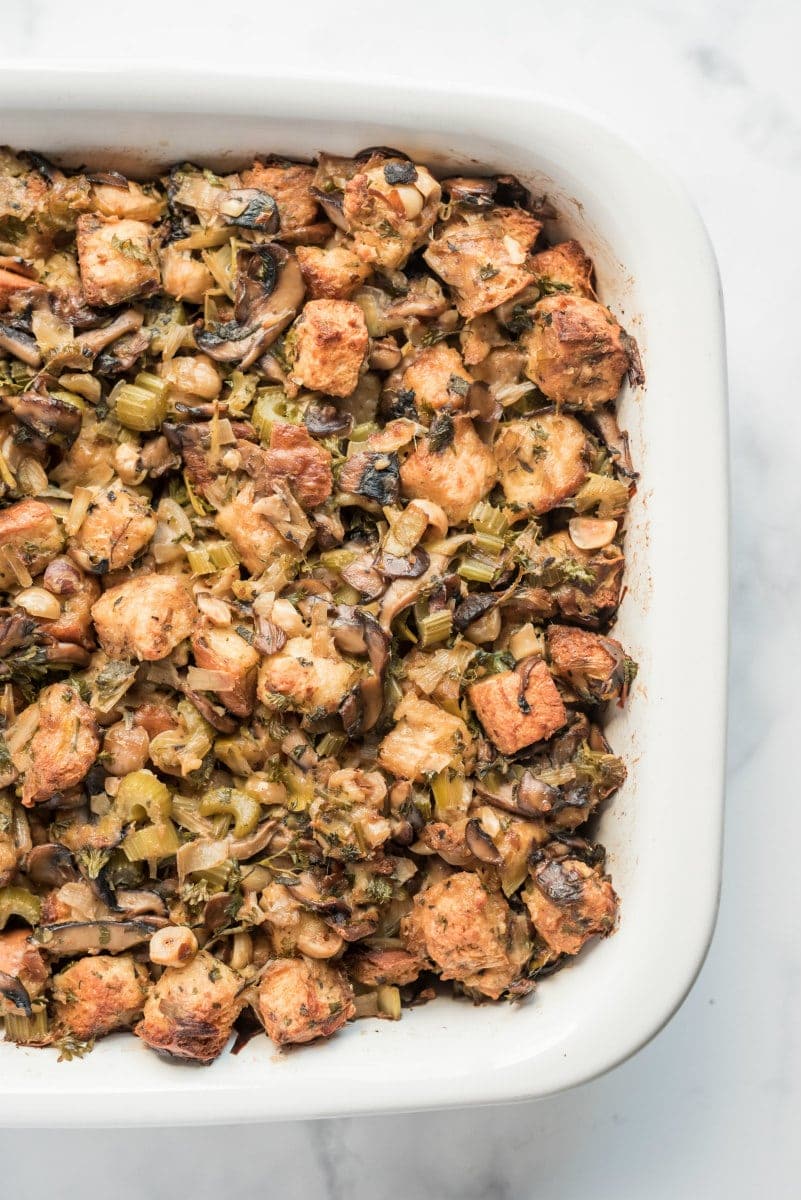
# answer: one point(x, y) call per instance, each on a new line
point(173, 946)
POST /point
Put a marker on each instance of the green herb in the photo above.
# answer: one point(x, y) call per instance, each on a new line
point(458, 385)
point(92, 861)
point(73, 1047)
point(130, 249)
point(379, 890)
point(487, 271)
point(549, 287)
point(441, 433)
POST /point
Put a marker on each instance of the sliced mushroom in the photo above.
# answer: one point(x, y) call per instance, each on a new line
point(51, 865)
point(269, 292)
point(374, 475)
point(249, 208)
point(474, 606)
point(21, 345)
point(69, 938)
point(363, 576)
point(327, 421)
point(480, 844)
point(52, 419)
point(604, 422)
point(97, 339)
point(256, 842)
point(13, 990)
point(410, 566)
point(472, 193)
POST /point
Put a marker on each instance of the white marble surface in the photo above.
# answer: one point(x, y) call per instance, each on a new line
point(712, 1107)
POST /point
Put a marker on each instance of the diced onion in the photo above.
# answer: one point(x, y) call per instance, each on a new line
point(201, 855)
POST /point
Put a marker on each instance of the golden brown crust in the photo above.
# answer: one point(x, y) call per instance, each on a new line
point(576, 351)
point(455, 477)
point(518, 707)
point(64, 746)
point(331, 273)
point(468, 933)
point(190, 1011)
point(541, 461)
point(330, 348)
point(301, 999)
point(117, 258)
point(483, 258)
point(569, 902)
point(144, 618)
point(96, 995)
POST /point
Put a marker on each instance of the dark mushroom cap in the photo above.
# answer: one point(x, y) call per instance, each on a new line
point(69, 938)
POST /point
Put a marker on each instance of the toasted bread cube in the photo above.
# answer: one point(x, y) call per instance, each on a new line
point(331, 345)
point(301, 999)
point(307, 680)
point(467, 933)
point(595, 666)
point(484, 257)
point(224, 650)
point(569, 902)
point(23, 960)
point(374, 968)
point(563, 267)
point(145, 617)
point(455, 476)
point(305, 464)
point(425, 741)
point(518, 707)
point(331, 273)
point(117, 527)
point(98, 994)
point(31, 533)
point(255, 539)
point(63, 748)
point(542, 461)
point(389, 206)
point(131, 202)
point(118, 259)
point(438, 378)
point(191, 1009)
point(577, 352)
point(290, 187)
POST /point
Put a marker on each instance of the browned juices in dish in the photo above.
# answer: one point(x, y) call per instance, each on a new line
point(312, 502)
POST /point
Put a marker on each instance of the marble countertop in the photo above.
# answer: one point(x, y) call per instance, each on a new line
point(711, 1108)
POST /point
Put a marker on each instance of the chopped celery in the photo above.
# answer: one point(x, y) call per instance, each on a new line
point(435, 627)
point(141, 795)
point(477, 570)
point(151, 842)
point(487, 519)
point(489, 543)
point(19, 902)
point(233, 803)
point(139, 408)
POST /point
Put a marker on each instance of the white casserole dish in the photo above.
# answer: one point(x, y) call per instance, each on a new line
point(657, 272)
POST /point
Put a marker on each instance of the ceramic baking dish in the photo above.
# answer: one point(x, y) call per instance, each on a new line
point(663, 831)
